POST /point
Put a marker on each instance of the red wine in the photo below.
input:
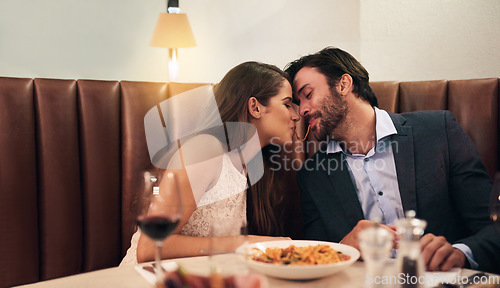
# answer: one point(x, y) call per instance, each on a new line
point(157, 227)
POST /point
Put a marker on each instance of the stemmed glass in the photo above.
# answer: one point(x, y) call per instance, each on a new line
point(161, 211)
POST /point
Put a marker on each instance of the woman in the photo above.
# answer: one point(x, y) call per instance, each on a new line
point(255, 93)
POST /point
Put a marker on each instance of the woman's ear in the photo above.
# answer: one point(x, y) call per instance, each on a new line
point(254, 108)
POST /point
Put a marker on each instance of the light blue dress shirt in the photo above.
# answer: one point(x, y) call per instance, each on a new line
point(375, 179)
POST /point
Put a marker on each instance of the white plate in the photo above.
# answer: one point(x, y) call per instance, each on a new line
point(298, 271)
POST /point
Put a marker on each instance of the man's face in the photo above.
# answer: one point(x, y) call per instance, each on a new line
point(323, 108)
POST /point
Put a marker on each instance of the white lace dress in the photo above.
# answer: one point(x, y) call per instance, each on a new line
point(224, 203)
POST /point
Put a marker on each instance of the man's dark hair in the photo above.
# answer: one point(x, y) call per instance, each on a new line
point(333, 63)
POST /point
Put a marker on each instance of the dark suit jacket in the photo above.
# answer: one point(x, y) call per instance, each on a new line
point(440, 176)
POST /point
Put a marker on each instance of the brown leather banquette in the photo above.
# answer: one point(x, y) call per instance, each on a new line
point(71, 152)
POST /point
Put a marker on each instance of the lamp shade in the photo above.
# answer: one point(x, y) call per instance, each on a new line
point(172, 31)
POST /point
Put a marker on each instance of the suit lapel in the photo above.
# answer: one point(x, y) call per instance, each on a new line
point(404, 158)
point(343, 188)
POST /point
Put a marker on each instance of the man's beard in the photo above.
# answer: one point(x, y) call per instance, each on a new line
point(332, 111)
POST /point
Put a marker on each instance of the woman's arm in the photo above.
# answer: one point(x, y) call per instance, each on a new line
point(177, 246)
point(201, 158)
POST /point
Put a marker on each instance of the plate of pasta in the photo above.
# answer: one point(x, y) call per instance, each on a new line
point(298, 259)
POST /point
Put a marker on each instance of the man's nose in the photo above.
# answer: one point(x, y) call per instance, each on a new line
point(303, 109)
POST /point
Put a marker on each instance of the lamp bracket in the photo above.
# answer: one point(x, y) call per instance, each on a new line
point(173, 6)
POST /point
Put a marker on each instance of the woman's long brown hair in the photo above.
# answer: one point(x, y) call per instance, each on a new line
point(262, 81)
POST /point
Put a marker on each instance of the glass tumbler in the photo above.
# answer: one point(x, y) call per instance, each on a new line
point(376, 245)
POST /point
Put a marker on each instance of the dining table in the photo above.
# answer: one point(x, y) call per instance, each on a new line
point(354, 276)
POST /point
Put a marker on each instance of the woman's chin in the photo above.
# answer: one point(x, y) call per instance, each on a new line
point(282, 141)
point(287, 143)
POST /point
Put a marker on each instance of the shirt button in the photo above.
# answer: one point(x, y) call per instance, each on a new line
point(380, 193)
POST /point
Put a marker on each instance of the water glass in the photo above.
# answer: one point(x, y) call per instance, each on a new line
point(223, 261)
point(376, 246)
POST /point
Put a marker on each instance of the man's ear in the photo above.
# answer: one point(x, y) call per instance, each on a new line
point(346, 86)
point(254, 108)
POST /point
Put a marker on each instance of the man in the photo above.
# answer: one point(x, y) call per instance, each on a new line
point(380, 164)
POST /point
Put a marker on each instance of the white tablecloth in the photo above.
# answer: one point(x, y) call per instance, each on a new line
point(353, 277)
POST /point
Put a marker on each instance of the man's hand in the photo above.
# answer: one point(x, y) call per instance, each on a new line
point(438, 254)
point(352, 239)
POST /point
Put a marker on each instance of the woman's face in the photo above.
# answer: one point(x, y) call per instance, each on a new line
point(277, 124)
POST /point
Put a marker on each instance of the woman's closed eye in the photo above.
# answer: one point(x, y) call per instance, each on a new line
point(287, 102)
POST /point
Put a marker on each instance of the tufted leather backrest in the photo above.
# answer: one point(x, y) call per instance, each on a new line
point(390, 95)
point(137, 99)
point(59, 178)
point(99, 122)
point(474, 103)
point(18, 184)
point(422, 95)
point(71, 152)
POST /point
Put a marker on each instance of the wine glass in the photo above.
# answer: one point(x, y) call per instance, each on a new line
point(495, 203)
point(160, 214)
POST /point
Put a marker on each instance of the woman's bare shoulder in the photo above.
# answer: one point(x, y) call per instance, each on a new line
point(197, 149)
point(208, 144)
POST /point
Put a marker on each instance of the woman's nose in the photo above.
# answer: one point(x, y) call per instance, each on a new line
point(295, 116)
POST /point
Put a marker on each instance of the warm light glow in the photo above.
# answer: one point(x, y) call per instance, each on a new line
point(173, 65)
point(172, 31)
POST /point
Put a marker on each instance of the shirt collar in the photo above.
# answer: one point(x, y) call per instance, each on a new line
point(383, 126)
